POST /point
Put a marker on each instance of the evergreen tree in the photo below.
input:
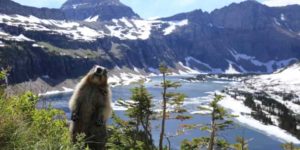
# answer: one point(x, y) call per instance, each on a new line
point(241, 143)
point(139, 110)
point(220, 120)
point(170, 99)
point(123, 136)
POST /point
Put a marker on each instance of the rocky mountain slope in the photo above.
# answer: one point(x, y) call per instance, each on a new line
point(244, 37)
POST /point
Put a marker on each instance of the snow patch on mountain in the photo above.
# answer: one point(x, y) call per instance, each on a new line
point(186, 70)
point(190, 59)
point(131, 29)
point(270, 66)
point(37, 45)
point(19, 38)
point(282, 17)
point(75, 6)
point(174, 24)
point(231, 70)
point(277, 22)
point(125, 78)
point(241, 69)
point(2, 44)
point(92, 19)
point(127, 22)
point(55, 92)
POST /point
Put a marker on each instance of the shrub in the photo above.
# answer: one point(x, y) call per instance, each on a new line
point(23, 126)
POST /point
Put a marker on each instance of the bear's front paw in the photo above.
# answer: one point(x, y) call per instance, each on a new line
point(74, 117)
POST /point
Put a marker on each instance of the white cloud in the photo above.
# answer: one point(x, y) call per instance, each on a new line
point(276, 3)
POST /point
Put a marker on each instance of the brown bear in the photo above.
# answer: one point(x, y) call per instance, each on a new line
point(90, 107)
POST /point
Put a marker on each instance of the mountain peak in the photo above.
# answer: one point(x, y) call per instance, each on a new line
point(251, 3)
point(75, 4)
point(101, 9)
point(249, 14)
point(246, 4)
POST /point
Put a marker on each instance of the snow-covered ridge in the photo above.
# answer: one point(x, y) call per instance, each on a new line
point(174, 25)
point(124, 28)
point(10, 37)
point(281, 87)
point(286, 81)
point(283, 81)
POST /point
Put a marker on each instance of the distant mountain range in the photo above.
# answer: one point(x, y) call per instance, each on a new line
point(56, 44)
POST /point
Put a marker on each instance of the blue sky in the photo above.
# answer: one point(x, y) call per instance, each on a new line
point(163, 8)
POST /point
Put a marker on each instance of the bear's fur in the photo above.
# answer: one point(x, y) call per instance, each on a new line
point(90, 107)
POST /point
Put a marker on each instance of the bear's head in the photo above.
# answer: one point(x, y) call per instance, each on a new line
point(98, 75)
